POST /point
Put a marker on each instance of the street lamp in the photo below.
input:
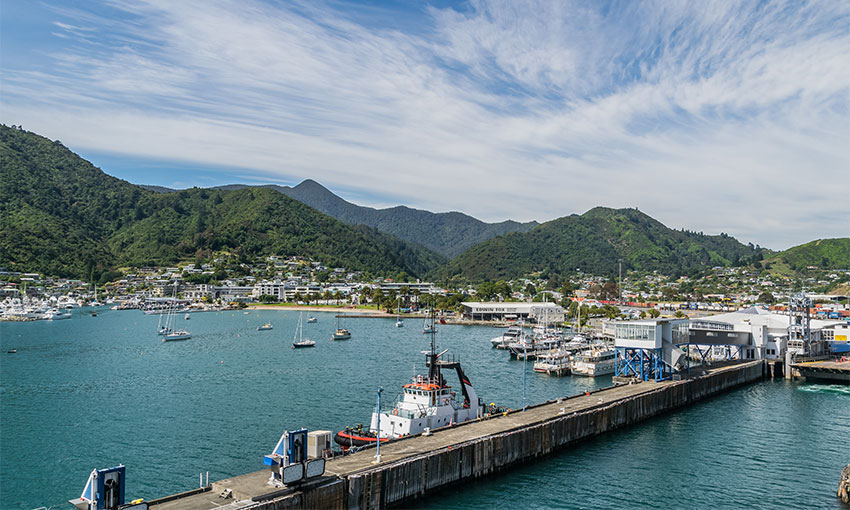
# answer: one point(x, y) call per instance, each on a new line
point(524, 361)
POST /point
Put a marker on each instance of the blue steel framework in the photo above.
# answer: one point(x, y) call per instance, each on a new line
point(644, 364)
point(648, 364)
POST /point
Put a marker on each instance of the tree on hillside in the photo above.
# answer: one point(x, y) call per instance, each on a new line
point(766, 297)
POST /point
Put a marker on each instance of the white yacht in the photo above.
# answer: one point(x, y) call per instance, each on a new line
point(512, 335)
point(595, 362)
point(56, 315)
point(299, 342)
point(180, 334)
point(557, 362)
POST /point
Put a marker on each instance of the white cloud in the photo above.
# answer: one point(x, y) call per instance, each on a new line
point(711, 116)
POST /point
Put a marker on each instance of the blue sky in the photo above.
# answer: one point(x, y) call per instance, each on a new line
point(715, 116)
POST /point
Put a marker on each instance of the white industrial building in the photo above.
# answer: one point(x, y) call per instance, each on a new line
point(762, 330)
point(495, 311)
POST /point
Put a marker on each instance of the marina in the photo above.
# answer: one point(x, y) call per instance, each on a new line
point(226, 361)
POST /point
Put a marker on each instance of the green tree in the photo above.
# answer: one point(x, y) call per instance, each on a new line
point(767, 298)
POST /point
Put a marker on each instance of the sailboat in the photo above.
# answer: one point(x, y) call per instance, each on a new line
point(340, 333)
point(95, 302)
point(180, 334)
point(299, 341)
point(399, 323)
point(428, 328)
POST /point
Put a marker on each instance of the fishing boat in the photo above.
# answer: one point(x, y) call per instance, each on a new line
point(299, 341)
point(427, 402)
point(265, 327)
point(340, 333)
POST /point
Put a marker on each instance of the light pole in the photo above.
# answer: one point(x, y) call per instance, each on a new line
point(378, 432)
point(524, 361)
point(620, 285)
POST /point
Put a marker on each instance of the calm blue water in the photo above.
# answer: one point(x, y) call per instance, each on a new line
point(94, 392)
point(98, 391)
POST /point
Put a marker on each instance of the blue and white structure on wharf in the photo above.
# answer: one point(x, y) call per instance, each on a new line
point(650, 349)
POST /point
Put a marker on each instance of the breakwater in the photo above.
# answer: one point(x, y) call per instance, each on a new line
point(415, 466)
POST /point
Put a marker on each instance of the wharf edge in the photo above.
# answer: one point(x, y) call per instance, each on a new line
point(413, 467)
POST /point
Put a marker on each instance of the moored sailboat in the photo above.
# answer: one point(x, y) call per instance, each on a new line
point(299, 341)
point(340, 333)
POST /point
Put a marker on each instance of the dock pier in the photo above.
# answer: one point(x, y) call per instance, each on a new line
point(414, 466)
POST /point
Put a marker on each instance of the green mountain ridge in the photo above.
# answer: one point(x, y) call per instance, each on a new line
point(449, 233)
point(594, 242)
point(62, 216)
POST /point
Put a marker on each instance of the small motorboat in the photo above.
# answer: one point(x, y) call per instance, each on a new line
point(11, 351)
point(265, 327)
point(311, 320)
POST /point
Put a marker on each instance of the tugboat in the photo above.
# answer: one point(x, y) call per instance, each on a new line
point(426, 403)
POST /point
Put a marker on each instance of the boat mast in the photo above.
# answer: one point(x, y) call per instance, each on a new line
point(433, 369)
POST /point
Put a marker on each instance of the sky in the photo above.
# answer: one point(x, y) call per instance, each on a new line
point(714, 116)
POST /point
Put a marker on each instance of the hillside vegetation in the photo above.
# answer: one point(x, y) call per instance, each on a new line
point(594, 242)
point(62, 216)
point(822, 254)
point(449, 234)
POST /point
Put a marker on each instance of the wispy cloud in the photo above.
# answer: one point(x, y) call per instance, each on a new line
point(715, 116)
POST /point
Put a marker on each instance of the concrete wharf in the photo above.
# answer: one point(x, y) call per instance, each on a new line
point(834, 371)
point(413, 466)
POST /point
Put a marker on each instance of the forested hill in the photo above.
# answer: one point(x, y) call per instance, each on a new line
point(62, 216)
point(446, 233)
point(822, 254)
point(594, 242)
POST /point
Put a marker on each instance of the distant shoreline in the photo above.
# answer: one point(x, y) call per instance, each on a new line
point(345, 309)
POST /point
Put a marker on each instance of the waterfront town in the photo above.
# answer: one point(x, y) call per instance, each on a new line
point(265, 255)
point(298, 281)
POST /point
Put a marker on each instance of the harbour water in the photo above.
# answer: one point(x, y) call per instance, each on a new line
point(98, 391)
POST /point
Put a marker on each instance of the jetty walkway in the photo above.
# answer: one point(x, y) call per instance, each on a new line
point(413, 466)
